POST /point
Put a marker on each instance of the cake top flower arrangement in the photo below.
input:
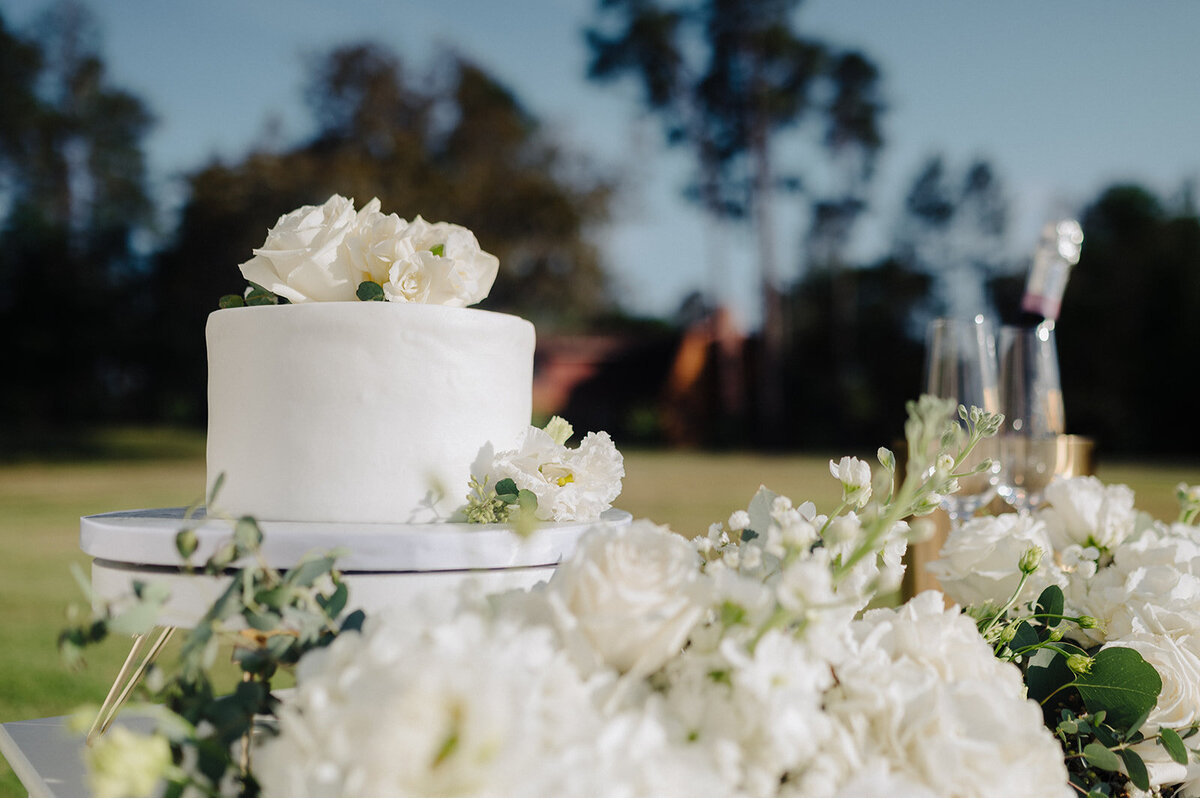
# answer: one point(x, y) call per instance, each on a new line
point(334, 253)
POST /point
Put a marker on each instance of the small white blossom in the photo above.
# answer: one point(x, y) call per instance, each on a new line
point(855, 476)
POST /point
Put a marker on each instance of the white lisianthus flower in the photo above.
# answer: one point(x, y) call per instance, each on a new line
point(980, 560)
point(855, 476)
point(570, 484)
point(629, 597)
point(125, 764)
point(438, 264)
point(302, 259)
point(1084, 510)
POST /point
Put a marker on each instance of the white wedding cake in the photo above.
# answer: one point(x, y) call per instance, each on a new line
point(360, 411)
point(326, 408)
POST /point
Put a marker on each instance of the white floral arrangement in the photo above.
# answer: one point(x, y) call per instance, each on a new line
point(1134, 579)
point(334, 253)
point(546, 479)
point(745, 662)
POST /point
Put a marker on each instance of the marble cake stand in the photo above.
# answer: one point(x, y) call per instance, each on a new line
point(385, 566)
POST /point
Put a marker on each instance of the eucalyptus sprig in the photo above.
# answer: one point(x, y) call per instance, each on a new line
point(270, 618)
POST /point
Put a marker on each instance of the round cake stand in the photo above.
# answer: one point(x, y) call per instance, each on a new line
point(387, 567)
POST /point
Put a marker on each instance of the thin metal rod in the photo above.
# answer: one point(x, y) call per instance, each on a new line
point(127, 679)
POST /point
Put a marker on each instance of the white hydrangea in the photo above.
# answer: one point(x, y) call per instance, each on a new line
point(457, 708)
point(925, 693)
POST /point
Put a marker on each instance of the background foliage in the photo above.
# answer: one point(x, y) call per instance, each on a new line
point(103, 296)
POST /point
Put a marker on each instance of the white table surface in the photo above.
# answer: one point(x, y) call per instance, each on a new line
point(47, 758)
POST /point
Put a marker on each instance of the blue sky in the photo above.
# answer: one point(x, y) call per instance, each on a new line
point(1063, 97)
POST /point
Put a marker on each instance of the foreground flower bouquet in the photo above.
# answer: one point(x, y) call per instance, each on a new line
point(742, 662)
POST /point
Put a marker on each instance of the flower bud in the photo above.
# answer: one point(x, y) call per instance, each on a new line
point(1031, 559)
point(1080, 663)
point(1088, 622)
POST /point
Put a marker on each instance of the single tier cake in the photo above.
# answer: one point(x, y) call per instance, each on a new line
point(360, 411)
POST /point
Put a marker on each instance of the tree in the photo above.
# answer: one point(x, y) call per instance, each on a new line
point(953, 230)
point(459, 148)
point(726, 77)
point(72, 197)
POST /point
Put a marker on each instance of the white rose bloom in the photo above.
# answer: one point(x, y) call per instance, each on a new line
point(1084, 510)
point(1178, 663)
point(457, 708)
point(438, 264)
point(302, 259)
point(374, 245)
point(980, 561)
point(629, 596)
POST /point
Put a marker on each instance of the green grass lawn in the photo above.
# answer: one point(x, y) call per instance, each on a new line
point(40, 506)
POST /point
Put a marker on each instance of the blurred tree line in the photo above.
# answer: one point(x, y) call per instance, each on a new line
point(103, 304)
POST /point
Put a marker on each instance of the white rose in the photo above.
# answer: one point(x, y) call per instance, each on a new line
point(979, 562)
point(629, 596)
point(1084, 510)
point(302, 259)
point(438, 264)
point(1177, 663)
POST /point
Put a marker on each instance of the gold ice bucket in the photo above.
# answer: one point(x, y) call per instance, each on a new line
point(1074, 456)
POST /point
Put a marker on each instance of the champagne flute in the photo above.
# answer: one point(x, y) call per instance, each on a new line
point(1032, 402)
point(961, 364)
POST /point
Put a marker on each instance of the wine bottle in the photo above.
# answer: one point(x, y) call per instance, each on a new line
point(1057, 252)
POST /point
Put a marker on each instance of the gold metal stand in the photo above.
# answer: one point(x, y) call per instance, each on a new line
point(146, 647)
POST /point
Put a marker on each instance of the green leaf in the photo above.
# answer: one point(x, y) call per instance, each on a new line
point(1047, 672)
point(335, 603)
point(748, 535)
point(527, 499)
point(1123, 684)
point(309, 571)
point(186, 543)
point(1026, 637)
point(1050, 602)
point(1170, 740)
point(1099, 756)
point(216, 488)
point(369, 291)
point(1136, 768)
point(506, 487)
point(246, 535)
point(231, 301)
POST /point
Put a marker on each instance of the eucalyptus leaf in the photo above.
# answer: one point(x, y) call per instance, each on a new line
point(1099, 756)
point(1173, 743)
point(1123, 684)
point(246, 535)
point(1136, 768)
point(1047, 672)
point(1050, 602)
point(186, 543)
point(369, 291)
point(506, 487)
point(309, 571)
